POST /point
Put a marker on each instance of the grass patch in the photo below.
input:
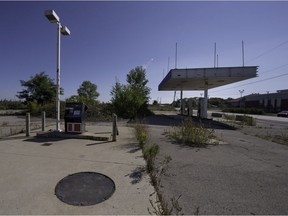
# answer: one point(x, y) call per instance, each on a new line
point(242, 119)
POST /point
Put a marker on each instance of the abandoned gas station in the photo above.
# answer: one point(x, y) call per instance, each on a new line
point(203, 79)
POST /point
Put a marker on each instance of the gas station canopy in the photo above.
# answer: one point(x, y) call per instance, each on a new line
point(205, 78)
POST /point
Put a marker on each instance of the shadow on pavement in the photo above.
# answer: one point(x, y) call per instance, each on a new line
point(12, 138)
point(99, 143)
point(43, 139)
point(176, 120)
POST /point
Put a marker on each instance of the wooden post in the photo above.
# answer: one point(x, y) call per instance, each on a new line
point(43, 120)
point(115, 129)
point(27, 124)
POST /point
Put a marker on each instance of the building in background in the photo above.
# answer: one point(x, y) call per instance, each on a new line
point(270, 102)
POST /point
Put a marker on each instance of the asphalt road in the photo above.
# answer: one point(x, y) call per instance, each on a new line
point(245, 175)
point(274, 120)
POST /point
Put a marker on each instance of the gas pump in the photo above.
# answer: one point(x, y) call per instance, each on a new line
point(75, 117)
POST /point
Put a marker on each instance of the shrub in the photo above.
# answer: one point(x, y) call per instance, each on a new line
point(188, 133)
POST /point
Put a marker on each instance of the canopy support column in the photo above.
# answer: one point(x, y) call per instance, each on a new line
point(181, 102)
point(205, 103)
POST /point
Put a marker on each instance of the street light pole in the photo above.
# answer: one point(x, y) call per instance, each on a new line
point(241, 92)
point(58, 79)
point(53, 18)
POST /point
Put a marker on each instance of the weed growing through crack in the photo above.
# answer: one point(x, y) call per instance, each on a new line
point(150, 154)
point(161, 206)
point(141, 133)
point(164, 209)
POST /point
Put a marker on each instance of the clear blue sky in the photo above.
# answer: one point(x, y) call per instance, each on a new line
point(108, 39)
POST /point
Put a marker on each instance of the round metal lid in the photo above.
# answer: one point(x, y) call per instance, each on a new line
point(85, 188)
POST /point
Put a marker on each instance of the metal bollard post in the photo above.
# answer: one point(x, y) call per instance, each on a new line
point(27, 124)
point(43, 120)
point(115, 129)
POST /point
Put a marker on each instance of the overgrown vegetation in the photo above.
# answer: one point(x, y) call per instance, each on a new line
point(87, 94)
point(217, 102)
point(229, 117)
point(101, 112)
point(241, 119)
point(131, 100)
point(39, 89)
point(141, 134)
point(190, 134)
point(247, 120)
point(11, 105)
point(150, 152)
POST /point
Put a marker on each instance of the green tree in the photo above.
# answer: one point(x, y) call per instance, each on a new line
point(40, 89)
point(88, 90)
point(216, 102)
point(73, 98)
point(136, 79)
point(131, 100)
point(87, 93)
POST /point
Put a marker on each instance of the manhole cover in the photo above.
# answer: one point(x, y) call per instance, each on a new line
point(84, 188)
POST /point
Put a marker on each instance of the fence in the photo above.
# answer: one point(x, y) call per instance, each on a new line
point(11, 125)
point(15, 124)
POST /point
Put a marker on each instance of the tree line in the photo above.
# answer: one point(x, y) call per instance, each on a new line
point(127, 100)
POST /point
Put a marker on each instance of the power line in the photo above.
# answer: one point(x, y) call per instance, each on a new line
point(268, 51)
point(276, 68)
point(281, 75)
